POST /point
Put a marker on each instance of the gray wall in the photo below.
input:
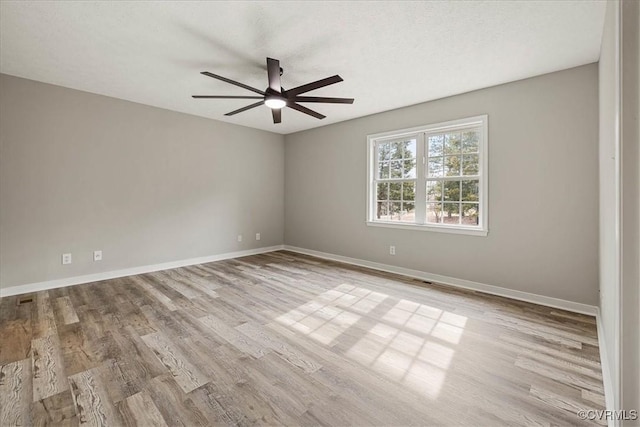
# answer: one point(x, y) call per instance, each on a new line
point(609, 105)
point(80, 172)
point(543, 200)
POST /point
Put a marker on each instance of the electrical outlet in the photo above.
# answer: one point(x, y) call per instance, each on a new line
point(239, 237)
point(97, 255)
point(392, 250)
point(257, 236)
point(66, 259)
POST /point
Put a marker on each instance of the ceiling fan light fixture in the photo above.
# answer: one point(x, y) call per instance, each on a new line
point(277, 98)
point(274, 102)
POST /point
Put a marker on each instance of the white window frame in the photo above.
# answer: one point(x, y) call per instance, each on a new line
point(419, 133)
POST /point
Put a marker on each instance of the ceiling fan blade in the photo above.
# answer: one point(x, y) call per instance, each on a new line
point(305, 110)
point(321, 99)
point(277, 115)
point(273, 72)
point(248, 107)
point(225, 97)
point(314, 85)
point(233, 82)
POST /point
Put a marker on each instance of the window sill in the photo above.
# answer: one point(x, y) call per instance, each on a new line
point(438, 229)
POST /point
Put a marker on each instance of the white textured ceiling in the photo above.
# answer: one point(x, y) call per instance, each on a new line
point(390, 54)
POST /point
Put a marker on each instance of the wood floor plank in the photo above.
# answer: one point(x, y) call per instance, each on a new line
point(570, 378)
point(242, 388)
point(140, 410)
point(594, 398)
point(176, 408)
point(130, 315)
point(49, 376)
point(155, 293)
point(565, 365)
point(232, 397)
point(186, 375)
point(75, 348)
point(15, 340)
point(43, 322)
point(136, 356)
point(221, 309)
point(92, 403)
point(56, 410)
point(198, 281)
point(525, 346)
point(567, 338)
point(169, 279)
point(219, 409)
point(234, 337)
point(312, 396)
point(118, 381)
point(263, 337)
point(164, 320)
point(562, 403)
point(66, 310)
point(15, 393)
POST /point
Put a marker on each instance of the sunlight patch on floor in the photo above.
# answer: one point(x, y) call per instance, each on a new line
point(325, 318)
point(411, 343)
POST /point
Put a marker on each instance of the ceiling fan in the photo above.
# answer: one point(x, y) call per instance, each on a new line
point(275, 97)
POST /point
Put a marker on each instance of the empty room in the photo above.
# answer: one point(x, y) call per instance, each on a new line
point(344, 213)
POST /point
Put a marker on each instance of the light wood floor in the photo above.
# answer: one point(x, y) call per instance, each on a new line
point(288, 339)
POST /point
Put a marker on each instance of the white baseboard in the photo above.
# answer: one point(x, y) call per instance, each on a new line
point(607, 378)
point(437, 278)
point(77, 280)
point(460, 283)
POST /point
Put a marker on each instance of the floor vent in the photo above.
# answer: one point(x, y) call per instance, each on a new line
point(25, 300)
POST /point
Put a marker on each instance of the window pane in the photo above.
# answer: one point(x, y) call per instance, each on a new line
point(452, 191)
point(470, 213)
point(401, 206)
point(383, 191)
point(395, 168)
point(470, 164)
point(435, 167)
point(409, 169)
point(435, 145)
point(470, 191)
point(410, 149)
point(383, 170)
point(382, 210)
point(395, 191)
point(434, 212)
point(452, 143)
point(434, 191)
point(451, 214)
point(384, 151)
point(452, 166)
point(408, 212)
point(470, 141)
point(408, 191)
point(396, 150)
point(395, 210)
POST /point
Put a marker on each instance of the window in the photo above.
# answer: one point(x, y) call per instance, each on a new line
point(432, 177)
